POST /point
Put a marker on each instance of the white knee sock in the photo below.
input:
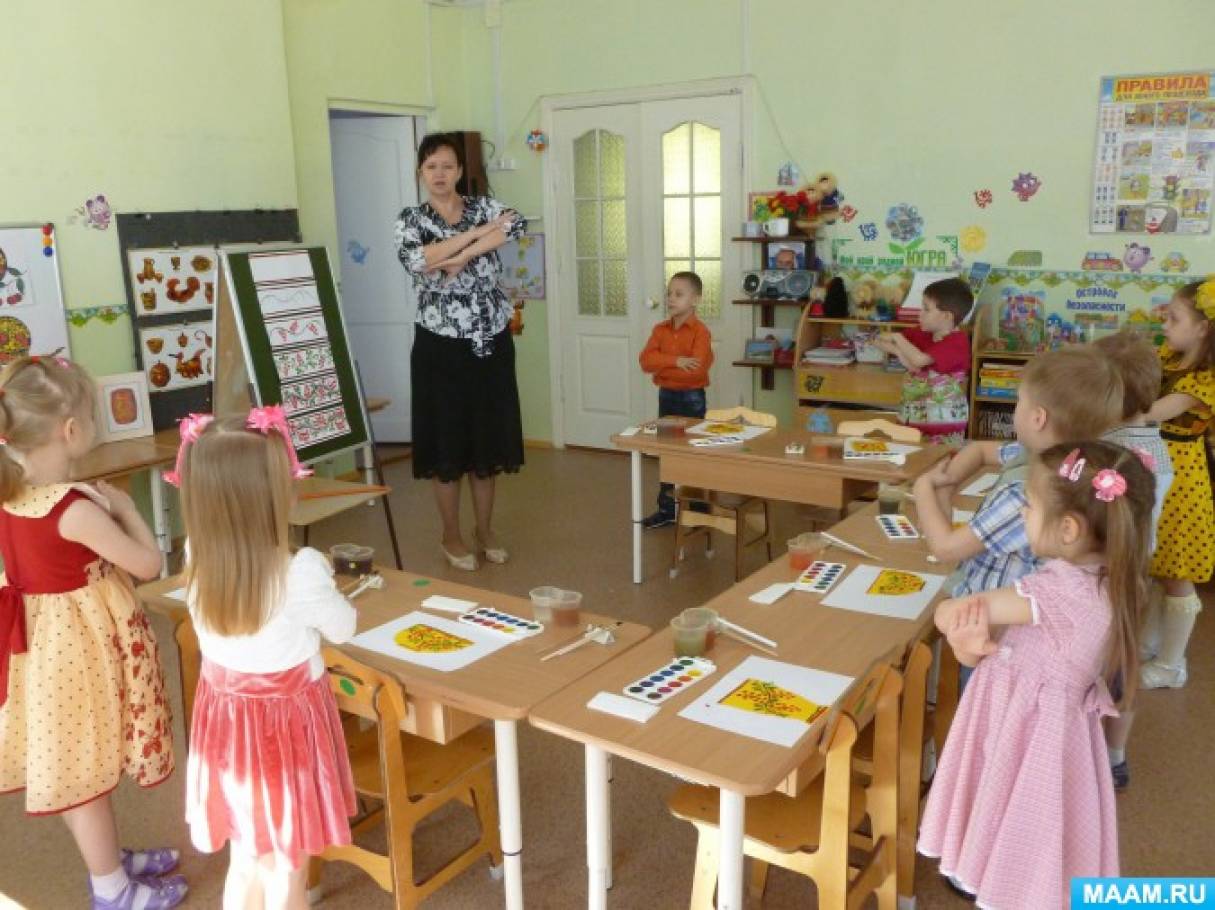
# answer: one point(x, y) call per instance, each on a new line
point(1176, 625)
point(1149, 635)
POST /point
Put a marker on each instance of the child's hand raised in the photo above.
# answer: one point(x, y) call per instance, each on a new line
point(969, 633)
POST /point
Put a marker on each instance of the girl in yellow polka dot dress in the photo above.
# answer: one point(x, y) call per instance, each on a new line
point(1185, 554)
point(82, 697)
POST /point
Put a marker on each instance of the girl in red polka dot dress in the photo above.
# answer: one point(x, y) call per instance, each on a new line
point(82, 696)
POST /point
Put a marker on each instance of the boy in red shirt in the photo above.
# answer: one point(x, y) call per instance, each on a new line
point(938, 356)
point(678, 354)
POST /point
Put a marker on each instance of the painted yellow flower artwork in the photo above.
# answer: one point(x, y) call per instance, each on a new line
point(972, 238)
point(762, 697)
point(894, 583)
point(424, 639)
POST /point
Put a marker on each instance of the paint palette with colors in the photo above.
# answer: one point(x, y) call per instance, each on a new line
point(819, 576)
point(669, 680)
point(504, 625)
point(897, 527)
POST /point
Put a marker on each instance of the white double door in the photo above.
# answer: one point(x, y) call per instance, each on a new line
point(642, 190)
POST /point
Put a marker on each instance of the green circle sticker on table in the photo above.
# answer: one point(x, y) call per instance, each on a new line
point(346, 686)
point(421, 582)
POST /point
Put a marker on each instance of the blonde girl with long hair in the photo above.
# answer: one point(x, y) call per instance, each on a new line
point(1023, 798)
point(82, 697)
point(268, 770)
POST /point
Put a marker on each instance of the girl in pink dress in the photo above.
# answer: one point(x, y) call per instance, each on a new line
point(1023, 800)
point(268, 769)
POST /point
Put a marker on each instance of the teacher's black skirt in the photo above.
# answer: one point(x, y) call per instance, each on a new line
point(465, 408)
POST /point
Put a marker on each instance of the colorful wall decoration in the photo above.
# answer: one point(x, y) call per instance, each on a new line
point(32, 316)
point(1155, 158)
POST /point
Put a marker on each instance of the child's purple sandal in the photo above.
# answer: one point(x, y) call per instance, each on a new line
point(157, 863)
point(166, 893)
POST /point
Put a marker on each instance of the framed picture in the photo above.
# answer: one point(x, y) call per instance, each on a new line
point(760, 350)
point(786, 256)
point(123, 411)
point(757, 205)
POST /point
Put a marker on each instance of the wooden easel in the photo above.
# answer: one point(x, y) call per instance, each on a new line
point(233, 395)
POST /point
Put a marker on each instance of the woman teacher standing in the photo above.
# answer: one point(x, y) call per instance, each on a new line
point(462, 368)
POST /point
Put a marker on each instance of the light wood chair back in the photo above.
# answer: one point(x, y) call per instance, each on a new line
point(745, 518)
point(882, 426)
point(910, 752)
point(410, 778)
point(189, 665)
point(812, 833)
point(741, 415)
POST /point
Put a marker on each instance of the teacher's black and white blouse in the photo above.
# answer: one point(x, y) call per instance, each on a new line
point(469, 305)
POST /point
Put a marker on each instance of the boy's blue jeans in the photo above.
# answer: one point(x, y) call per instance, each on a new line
point(677, 403)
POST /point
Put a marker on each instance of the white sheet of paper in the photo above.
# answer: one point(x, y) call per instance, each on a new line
point(962, 516)
point(449, 604)
point(380, 640)
point(620, 706)
point(980, 485)
point(630, 431)
point(920, 280)
point(851, 594)
point(771, 594)
point(746, 432)
point(819, 686)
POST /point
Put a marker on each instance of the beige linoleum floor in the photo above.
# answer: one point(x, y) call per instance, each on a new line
point(565, 519)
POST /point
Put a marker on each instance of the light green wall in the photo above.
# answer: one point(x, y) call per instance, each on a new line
point(921, 103)
point(160, 107)
point(362, 55)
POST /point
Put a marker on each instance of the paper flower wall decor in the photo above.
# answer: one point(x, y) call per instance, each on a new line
point(983, 198)
point(537, 141)
point(1025, 185)
point(904, 222)
point(973, 238)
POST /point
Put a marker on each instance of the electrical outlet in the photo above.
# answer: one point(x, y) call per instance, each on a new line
point(504, 164)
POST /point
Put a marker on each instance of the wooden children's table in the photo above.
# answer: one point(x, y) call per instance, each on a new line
point(760, 467)
point(117, 461)
point(807, 633)
point(503, 687)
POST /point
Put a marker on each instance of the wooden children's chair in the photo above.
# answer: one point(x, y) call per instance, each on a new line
point(746, 518)
point(189, 665)
point(894, 431)
point(811, 834)
point(411, 778)
point(914, 733)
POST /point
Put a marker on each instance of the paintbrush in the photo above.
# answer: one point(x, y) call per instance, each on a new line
point(742, 630)
point(742, 639)
point(844, 545)
point(365, 583)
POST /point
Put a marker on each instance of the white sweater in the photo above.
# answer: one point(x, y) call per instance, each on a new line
point(311, 608)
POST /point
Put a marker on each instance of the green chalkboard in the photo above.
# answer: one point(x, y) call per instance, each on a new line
point(295, 346)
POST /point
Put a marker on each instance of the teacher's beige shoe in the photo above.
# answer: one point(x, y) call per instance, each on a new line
point(467, 562)
point(495, 555)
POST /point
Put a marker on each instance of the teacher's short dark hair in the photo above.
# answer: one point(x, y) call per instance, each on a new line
point(432, 142)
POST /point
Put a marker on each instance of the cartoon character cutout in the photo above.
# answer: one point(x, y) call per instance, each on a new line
point(1136, 257)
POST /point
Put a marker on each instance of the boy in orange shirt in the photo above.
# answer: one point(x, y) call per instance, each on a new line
point(678, 354)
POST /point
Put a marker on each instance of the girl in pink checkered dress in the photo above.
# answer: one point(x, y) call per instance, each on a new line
point(1023, 800)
